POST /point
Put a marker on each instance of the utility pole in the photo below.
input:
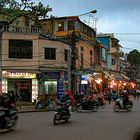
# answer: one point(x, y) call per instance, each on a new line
point(73, 62)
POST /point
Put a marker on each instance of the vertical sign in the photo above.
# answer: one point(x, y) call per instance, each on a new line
point(60, 87)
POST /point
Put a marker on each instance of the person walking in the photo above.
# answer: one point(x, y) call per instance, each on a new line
point(109, 96)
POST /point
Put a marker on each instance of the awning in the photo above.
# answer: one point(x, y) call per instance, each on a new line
point(116, 76)
point(107, 74)
point(125, 77)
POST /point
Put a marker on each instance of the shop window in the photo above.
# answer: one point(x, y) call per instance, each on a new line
point(50, 87)
point(22, 49)
point(22, 89)
point(50, 53)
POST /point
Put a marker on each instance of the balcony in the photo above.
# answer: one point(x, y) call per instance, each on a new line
point(114, 51)
point(17, 29)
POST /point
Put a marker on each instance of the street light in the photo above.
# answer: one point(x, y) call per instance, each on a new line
point(90, 12)
point(73, 55)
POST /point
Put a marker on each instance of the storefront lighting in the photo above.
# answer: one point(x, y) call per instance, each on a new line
point(133, 85)
point(98, 81)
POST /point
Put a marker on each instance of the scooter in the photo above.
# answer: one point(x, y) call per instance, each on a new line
point(87, 105)
point(63, 113)
point(8, 122)
point(118, 106)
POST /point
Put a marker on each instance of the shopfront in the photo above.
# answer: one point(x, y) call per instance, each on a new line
point(24, 85)
point(53, 84)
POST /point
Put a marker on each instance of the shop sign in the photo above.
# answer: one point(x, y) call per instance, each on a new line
point(60, 90)
point(6, 74)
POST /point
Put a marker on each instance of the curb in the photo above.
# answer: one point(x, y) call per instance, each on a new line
point(31, 111)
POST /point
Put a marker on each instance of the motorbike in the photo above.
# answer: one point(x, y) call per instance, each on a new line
point(8, 119)
point(87, 105)
point(118, 106)
point(62, 113)
point(48, 104)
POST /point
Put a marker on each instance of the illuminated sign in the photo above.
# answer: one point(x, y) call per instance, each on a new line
point(6, 74)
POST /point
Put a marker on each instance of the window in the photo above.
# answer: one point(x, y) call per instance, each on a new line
point(82, 58)
point(90, 61)
point(26, 22)
point(61, 26)
point(66, 55)
point(22, 49)
point(104, 58)
point(50, 53)
point(70, 25)
point(91, 52)
point(82, 48)
point(113, 61)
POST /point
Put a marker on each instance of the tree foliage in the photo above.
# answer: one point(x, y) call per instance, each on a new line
point(134, 58)
point(12, 9)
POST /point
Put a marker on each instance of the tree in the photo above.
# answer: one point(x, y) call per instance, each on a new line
point(10, 9)
point(134, 58)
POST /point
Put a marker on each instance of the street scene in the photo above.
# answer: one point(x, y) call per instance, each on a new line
point(102, 125)
point(69, 70)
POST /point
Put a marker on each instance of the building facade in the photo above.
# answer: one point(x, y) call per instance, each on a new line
point(31, 64)
point(87, 51)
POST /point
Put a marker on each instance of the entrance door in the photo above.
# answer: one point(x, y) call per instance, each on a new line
point(22, 88)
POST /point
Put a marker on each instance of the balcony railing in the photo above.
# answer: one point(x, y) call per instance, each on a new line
point(17, 29)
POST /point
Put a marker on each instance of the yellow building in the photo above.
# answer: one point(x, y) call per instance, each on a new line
point(87, 51)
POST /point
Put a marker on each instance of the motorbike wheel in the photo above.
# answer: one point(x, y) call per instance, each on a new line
point(116, 108)
point(13, 125)
point(79, 108)
point(94, 109)
point(129, 108)
point(67, 118)
point(56, 119)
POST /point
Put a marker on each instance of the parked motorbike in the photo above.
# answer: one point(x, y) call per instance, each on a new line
point(87, 105)
point(62, 113)
point(118, 106)
point(48, 104)
point(8, 119)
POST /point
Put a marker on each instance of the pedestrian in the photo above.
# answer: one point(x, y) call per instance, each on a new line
point(109, 96)
point(137, 93)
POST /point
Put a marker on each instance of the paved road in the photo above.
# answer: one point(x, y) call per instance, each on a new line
point(102, 125)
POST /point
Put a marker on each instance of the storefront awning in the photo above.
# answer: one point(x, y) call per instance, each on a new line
point(107, 74)
point(125, 77)
point(116, 76)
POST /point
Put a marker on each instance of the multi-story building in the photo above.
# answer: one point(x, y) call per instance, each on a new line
point(112, 44)
point(31, 64)
point(87, 50)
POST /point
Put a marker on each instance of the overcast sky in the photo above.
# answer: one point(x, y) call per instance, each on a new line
point(114, 16)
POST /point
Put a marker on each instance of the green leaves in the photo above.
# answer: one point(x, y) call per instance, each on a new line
point(10, 9)
point(134, 58)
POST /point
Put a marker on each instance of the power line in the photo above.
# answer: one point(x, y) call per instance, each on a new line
point(134, 33)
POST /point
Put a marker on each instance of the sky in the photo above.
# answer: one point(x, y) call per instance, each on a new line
point(121, 17)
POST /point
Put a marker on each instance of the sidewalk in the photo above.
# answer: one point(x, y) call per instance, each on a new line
point(31, 108)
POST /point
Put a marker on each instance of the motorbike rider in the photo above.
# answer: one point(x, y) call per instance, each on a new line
point(7, 104)
point(125, 98)
point(67, 97)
